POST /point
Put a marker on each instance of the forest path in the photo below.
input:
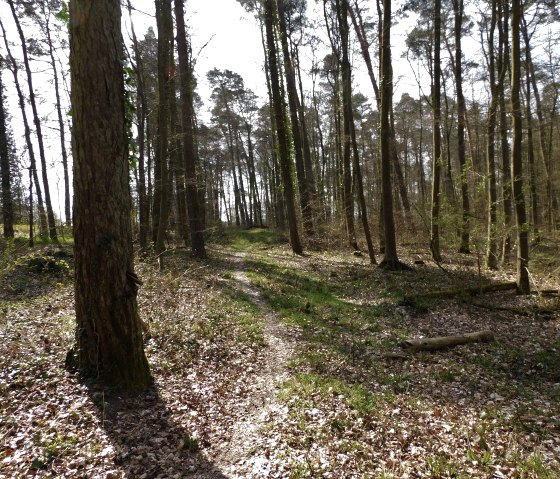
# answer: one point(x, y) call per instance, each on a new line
point(242, 456)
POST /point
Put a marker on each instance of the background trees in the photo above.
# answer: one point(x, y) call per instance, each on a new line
point(303, 150)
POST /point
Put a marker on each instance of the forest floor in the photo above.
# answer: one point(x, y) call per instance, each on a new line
point(271, 365)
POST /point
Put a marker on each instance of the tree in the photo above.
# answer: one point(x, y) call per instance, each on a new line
point(5, 167)
point(187, 115)
point(141, 116)
point(108, 332)
point(516, 160)
point(165, 82)
point(347, 115)
point(458, 8)
point(37, 122)
point(390, 259)
point(297, 134)
point(13, 66)
point(495, 85)
point(436, 140)
point(281, 130)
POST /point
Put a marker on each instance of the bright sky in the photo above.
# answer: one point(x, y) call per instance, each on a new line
point(223, 36)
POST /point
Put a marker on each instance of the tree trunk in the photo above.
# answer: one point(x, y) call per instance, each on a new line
point(531, 161)
point(444, 342)
point(43, 225)
point(5, 170)
point(108, 332)
point(458, 7)
point(37, 122)
point(504, 137)
point(390, 259)
point(293, 100)
point(544, 151)
point(516, 162)
point(141, 110)
point(346, 74)
point(436, 141)
point(164, 21)
point(281, 132)
point(359, 182)
point(61, 127)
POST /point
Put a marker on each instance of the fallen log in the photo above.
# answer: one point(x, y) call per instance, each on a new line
point(474, 291)
point(443, 342)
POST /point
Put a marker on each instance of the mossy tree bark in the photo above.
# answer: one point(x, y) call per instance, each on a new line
point(108, 332)
point(297, 136)
point(281, 130)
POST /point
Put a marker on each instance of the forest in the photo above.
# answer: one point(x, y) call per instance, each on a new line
point(349, 271)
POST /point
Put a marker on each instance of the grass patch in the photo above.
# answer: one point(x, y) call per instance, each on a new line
point(251, 239)
point(311, 388)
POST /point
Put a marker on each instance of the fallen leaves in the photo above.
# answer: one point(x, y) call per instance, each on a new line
point(347, 411)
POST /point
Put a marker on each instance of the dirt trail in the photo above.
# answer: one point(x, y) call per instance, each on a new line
point(242, 456)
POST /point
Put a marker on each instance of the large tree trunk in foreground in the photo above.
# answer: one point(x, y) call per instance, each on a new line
point(108, 332)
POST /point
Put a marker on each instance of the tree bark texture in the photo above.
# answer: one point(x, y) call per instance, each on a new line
point(108, 333)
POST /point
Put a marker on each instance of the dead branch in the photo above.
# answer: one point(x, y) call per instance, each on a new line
point(444, 342)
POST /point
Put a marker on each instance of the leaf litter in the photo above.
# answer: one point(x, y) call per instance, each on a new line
point(272, 365)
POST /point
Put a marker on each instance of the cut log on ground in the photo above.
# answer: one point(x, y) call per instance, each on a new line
point(450, 293)
point(444, 342)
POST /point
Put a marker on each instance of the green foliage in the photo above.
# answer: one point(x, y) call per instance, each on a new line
point(252, 239)
point(441, 466)
point(63, 14)
point(533, 466)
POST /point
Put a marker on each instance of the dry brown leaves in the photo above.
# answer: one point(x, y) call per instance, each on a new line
point(474, 411)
